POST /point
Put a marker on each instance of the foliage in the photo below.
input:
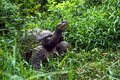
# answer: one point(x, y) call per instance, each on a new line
point(30, 6)
point(93, 32)
point(96, 27)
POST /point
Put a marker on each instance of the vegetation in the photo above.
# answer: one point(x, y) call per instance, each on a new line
point(93, 32)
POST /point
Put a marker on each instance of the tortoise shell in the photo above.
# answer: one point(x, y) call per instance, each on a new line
point(36, 35)
point(42, 43)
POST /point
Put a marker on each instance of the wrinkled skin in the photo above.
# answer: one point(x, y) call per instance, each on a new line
point(57, 36)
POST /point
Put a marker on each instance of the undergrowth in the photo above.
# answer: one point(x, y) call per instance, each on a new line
point(93, 33)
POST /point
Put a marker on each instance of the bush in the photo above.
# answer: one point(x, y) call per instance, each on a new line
point(93, 24)
point(96, 26)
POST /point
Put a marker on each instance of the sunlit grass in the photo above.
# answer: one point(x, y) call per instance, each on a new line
point(93, 33)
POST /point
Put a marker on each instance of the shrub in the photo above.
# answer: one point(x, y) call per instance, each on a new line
point(96, 26)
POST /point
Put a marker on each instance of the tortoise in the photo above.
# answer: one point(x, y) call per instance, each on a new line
point(46, 37)
point(46, 43)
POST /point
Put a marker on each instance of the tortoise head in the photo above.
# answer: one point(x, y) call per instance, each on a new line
point(62, 25)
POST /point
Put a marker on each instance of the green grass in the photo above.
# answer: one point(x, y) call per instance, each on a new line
point(93, 33)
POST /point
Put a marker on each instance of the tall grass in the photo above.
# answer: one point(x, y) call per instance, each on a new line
point(93, 33)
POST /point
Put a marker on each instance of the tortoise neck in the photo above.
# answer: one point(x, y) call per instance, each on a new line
point(56, 37)
point(57, 33)
point(54, 40)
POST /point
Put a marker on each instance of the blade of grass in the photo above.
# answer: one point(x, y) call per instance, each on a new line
point(47, 74)
point(62, 61)
point(71, 71)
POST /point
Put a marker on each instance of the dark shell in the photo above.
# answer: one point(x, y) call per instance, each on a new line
point(39, 54)
point(33, 39)
point(36, 35)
